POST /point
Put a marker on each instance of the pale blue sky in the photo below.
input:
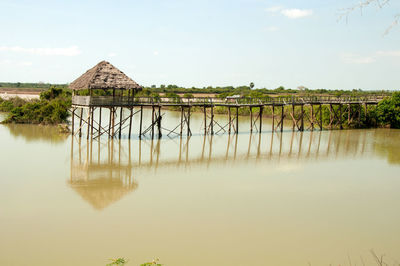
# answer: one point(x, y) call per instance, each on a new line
point(202, 43)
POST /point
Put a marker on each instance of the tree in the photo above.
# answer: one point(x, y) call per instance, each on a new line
point(345, 12)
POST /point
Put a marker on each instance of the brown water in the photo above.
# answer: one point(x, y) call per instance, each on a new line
point(312, 198)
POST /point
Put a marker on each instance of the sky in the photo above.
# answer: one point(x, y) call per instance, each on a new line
point(203, 43)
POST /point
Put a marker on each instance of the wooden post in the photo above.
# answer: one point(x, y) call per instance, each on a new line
point(181, 121)
point(366, 114)
point(340, 116)
point(251, 119)
point(140, 122)
point(273, 117)
point(159, 122)
point(282, 116)
point(330, 116)
point(293, 114)
point(88, 123)
point(205, 119)
point(130, 123)
point(302, 117)
point(359, 115)
point(261, 114)
point(349, 114)
point(109, 123)
point(120, 122)
point(113, 122)
point(189, 132)
point(320, 117)
point(91, 123)
point(212, 119)
point(230, 120)
point(73, 118)
point(99, 131)
point(312, 117)
point(237, 120)
point(80, 123)
point(152, 121)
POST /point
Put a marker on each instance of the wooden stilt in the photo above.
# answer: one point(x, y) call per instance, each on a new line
point(181, 121)
point(230, 119)
point(273, 117)
point(330, 116)
point(320, 117)
point(130, 122)
point(113, 122)
point(293, 115)
point(152, 121)
point(312, 116)
point(205, 120)
point(212, 119)
point(237, 120)
point(91, 123)
point(99, 129)
point(88, 123)
point(120, 122)
point(140, 122)
point(189, 132)
point(282, 116)
point(349, 114)
point(261, 114)
point(251, 119)
point(159, 122)
point(80, 123)
point(302, 117)
point(109, 123)
point(340, 116)
point(72, 122)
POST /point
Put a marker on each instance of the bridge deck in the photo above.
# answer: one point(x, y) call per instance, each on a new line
point(109, 101)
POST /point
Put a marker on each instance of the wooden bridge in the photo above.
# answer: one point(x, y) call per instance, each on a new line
point(294, 106)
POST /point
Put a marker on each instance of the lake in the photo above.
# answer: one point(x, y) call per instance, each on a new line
point(291, 198)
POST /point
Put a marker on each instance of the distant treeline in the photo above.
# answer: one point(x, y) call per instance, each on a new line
point(39, 85)
point(253, 92)
point(222, 91)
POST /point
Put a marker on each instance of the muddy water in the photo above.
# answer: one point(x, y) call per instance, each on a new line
point(314, 198)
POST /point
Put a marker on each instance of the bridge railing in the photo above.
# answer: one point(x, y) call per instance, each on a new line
point(286, 100)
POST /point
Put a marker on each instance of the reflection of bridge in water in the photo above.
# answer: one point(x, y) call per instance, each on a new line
point(124, 155)
point(103, 172)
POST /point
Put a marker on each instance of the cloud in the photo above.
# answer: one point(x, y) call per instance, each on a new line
point(274, 9)
point(271, 28)
point(352, 58)
point(25, 63)
point(296, 13)
point(11, 63)
point(112, 54)
point(67, 51)
point(388, 53)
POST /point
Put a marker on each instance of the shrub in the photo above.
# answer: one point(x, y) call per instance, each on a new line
point(388, 111)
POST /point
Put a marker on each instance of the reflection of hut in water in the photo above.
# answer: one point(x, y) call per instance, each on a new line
point(101, 183)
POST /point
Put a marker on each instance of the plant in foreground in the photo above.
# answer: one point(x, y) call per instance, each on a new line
point(118, 261)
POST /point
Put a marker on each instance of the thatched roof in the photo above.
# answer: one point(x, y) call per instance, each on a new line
point(104, 76)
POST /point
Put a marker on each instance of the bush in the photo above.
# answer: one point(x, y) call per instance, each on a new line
point(52, 108)
point(388, 111)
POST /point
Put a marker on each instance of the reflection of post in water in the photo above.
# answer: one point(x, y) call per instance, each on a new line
point(259, 146)
point(249, 147)
point(300, 144)
point(309, 144)
point(291, 144)
point(210, 150)
point(103, 182)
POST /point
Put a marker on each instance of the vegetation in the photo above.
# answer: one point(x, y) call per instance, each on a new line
point(388, 111)
point(52, 108)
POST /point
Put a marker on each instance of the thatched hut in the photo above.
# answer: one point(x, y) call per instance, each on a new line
point(105, 76)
